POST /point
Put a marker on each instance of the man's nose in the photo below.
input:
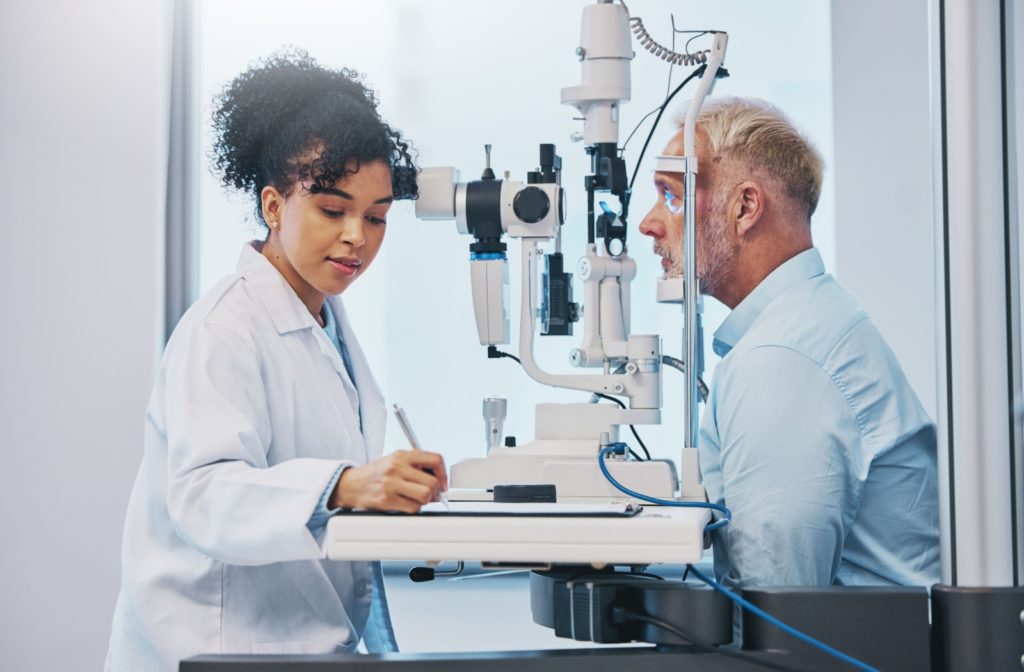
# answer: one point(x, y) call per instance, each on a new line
point(652, 226)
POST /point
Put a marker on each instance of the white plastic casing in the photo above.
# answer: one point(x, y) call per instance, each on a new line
point(670, 290)
point(489, 279)
point(666, 163)
point(605, 80)
point(436, 198)
point(517, 228)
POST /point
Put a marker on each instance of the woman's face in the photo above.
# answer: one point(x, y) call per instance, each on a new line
point(321, 242)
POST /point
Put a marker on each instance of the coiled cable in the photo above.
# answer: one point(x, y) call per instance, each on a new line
point(645, 39)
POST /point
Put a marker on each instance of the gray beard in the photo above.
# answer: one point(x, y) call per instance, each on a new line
point(716, 254)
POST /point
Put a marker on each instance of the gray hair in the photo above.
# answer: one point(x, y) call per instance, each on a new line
point(756, 134)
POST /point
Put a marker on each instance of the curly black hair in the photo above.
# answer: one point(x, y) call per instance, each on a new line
point(288, 120)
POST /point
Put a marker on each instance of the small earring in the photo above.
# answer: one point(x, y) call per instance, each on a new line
point(273, 225)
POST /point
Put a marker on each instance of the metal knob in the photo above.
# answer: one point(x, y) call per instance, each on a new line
point(494, 410)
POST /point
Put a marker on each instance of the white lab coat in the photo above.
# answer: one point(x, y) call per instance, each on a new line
point(250, 417)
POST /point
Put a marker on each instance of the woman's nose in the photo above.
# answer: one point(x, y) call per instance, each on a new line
point(353, 233)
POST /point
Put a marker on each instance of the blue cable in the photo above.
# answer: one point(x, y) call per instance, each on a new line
point(746, 604)
point(621, 448)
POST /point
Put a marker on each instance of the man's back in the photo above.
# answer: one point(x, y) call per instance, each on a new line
point(815, 440)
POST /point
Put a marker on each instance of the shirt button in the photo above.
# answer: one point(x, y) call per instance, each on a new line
point(362, 587)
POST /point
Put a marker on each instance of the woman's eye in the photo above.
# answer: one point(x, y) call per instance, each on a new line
point(332, 213)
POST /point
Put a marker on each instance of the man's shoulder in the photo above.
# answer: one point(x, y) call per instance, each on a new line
point(821, 322)
point(811, 318)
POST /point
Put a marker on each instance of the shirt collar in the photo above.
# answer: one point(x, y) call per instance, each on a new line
point(806, 265)
point(330, 324)
point(286, 310)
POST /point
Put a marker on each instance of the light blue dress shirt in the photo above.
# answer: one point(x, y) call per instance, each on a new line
point(816, 441)
point(379, 634)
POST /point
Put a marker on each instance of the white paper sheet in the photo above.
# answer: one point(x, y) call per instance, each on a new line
point(527, 508)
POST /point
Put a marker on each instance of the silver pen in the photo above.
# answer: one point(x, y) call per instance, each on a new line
point(403, 422)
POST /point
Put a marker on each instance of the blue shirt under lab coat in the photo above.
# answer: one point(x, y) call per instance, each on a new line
point(816, 441)
point(379, 635)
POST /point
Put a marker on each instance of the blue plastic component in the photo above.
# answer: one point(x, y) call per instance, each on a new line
point(486, 256)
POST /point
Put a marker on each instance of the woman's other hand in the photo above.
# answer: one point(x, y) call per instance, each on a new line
point(402, 481)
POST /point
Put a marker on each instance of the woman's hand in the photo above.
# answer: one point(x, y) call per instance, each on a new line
point(402, 481)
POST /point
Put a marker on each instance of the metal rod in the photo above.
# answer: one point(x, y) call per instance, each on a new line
point(691, 421)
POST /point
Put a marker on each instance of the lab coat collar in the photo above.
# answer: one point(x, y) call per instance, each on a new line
point(286, 310)
point(288, 314)
point(806, 265)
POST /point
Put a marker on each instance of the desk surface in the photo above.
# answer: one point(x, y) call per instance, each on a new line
point(655, 535)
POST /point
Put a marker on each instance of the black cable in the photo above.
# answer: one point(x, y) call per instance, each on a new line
point(661, 110)
point(610, 398)
point(494, 353)
point(732, 653)
point(678, 365)
point(637, 128)
point(687, 47)
point(631, 428)
point(647, 453)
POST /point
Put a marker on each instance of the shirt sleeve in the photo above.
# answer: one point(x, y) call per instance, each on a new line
point(789, 471)
point(322, 513)
point(223, 497)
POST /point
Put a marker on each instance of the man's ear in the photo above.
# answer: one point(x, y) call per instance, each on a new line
point(272, 204)
point(748, 207)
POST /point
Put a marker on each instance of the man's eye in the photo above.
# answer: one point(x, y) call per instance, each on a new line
point(377, 220)
point(674, 205)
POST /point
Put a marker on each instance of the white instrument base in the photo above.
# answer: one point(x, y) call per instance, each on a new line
point(655, 535)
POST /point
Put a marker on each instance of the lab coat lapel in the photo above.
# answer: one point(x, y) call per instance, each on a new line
point(371, 399)
point(349, 412)
point(289, 314)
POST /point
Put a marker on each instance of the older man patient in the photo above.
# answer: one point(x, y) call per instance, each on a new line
point(812, 434)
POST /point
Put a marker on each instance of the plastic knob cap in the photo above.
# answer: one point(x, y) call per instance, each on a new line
point(531, 205)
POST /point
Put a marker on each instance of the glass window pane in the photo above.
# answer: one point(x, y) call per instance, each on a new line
point(455, 75)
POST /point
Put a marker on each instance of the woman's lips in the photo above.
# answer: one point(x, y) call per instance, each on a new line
point(346, 269)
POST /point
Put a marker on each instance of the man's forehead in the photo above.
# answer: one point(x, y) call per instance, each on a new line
point(662, 177)
point(676, 147)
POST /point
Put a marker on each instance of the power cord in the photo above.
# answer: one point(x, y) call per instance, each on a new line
point(661, 110)
point(494, 353)
point(746, 604)
point(647, 453)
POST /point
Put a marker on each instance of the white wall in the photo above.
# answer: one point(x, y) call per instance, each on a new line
point(81, 172)
point(882, 174)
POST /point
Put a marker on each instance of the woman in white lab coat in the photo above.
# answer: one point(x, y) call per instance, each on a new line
point(265, 416)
